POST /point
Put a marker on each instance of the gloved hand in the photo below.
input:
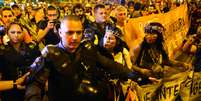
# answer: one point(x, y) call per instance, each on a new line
point(89, 47)
point(88, 52)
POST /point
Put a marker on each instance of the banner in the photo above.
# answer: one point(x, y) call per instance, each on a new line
point(148, 92)
point(195, 91)
point(170, 89)
point(186, 87)
point(176, 23)
point(173, 87)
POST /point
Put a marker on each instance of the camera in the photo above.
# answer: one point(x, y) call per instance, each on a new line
point(56, 23)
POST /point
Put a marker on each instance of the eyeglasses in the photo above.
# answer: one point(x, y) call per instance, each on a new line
point(5, 16)
point(13, 32)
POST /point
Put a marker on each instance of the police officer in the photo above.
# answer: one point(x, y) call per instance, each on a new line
point(102, 22)
point(15, 57)
point(70, 68)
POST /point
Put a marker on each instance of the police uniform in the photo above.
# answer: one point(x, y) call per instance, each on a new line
point(96, 32)
point(72, 76)
point(13, 64)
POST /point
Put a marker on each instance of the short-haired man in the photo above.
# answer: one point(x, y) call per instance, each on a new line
point(7, 16)
point(98, 28)
point(48, 33)
point(70, 68)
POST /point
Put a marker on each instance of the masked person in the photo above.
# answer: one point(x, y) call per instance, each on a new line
point(70, 68)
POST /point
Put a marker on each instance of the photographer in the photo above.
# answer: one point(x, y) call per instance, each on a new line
point(48, 27)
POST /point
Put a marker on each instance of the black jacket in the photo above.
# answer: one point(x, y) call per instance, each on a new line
point(51, 37)
point(70, 76)
point(14, 64)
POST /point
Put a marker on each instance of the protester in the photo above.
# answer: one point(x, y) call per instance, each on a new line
point(114, 48)
point(193, 50)
point(151, 56)
point(7, 16)
point(78, 10)
point(130, 8)
point(121, 16)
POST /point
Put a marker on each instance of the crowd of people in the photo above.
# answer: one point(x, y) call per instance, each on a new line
point(60, 52)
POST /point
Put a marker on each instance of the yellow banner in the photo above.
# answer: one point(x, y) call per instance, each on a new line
point(148, 92)
point(172, 88)
point(195, 91)
point(185, 86)
point(176, 23)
